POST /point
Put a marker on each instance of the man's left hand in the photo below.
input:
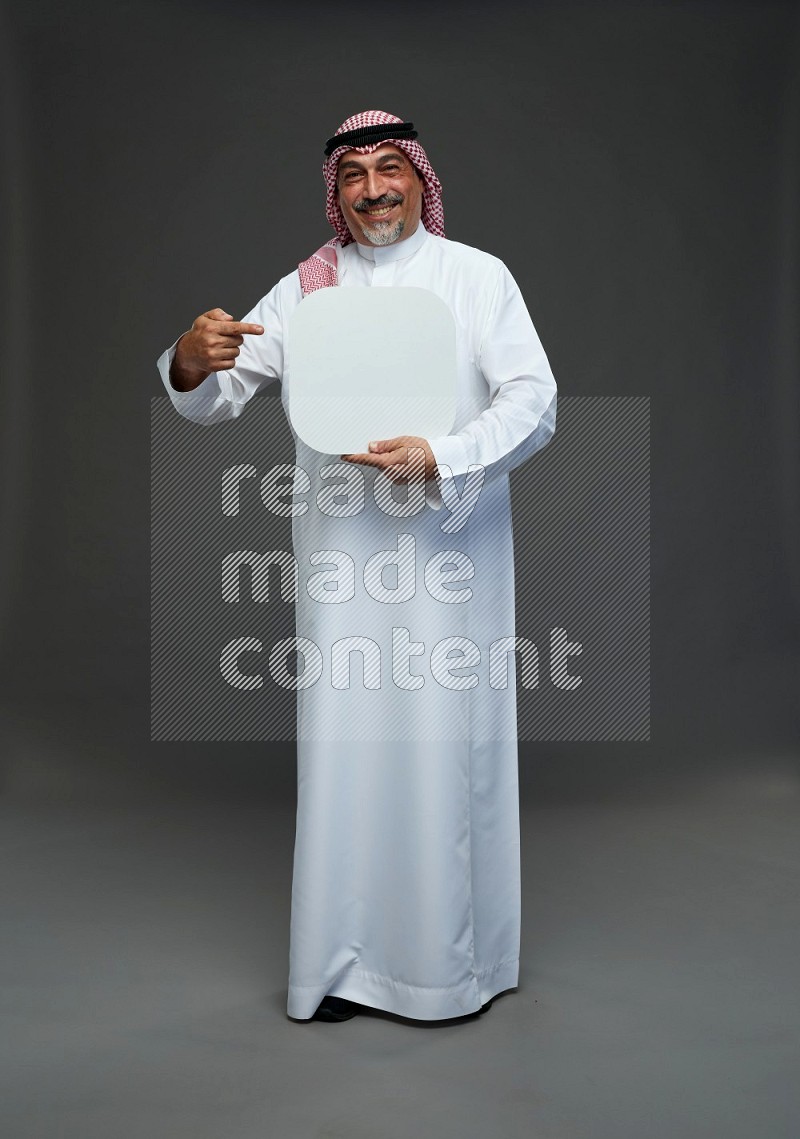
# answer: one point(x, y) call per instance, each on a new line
point(387, 453)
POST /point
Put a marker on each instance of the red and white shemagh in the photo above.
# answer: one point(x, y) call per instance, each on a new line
point(319, 270)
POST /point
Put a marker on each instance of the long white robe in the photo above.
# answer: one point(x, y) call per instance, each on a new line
point(406, 883)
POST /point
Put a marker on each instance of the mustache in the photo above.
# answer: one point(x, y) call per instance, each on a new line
point(377, 203)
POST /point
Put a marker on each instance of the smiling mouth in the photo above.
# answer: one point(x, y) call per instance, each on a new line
point(379, 211)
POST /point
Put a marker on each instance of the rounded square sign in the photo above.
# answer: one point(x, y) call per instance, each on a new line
point(370, 363)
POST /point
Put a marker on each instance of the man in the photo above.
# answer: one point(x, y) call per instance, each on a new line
point(406, 890)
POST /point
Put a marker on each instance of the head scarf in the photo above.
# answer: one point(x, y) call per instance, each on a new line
point(319, 271)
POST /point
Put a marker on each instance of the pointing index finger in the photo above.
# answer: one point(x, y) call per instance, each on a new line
point(236, 328)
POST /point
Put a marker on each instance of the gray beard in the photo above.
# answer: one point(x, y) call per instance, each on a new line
point(384, 233)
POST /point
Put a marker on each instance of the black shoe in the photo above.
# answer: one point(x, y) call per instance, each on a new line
point(335, 1008)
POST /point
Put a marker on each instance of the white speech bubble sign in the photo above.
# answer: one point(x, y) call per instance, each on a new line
point(370, 363)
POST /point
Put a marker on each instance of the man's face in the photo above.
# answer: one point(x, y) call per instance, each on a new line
point(380, 195)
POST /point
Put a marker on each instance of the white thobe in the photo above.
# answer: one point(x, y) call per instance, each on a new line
point(406, 882)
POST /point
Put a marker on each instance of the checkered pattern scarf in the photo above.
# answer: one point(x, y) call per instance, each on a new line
point(319, 270)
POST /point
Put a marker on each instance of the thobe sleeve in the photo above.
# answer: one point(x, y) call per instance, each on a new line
point(521, 418)
point(223, 395)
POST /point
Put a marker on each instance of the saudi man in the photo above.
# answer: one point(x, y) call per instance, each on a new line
point(406, 881)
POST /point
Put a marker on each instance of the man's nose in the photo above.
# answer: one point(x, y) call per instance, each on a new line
point(376, 184)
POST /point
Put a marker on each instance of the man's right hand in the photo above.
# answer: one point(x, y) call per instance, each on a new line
point(211, 345)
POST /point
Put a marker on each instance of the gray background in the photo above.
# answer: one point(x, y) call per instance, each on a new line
point(636, 167)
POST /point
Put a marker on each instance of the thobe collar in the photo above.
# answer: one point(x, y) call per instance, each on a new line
point(381, 254)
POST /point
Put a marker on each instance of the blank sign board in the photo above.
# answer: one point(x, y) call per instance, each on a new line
point(368, 364)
